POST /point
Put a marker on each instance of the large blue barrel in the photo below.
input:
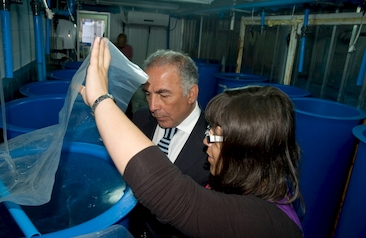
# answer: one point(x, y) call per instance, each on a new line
point(291, 91)
point(352, 220)
point(63, 74)
point(49, 87)
point(235, 80)
point(73, 64)
point(31, 113)
point(207, 82)
point(35, 112)
point(324, 133)
point(89, 194)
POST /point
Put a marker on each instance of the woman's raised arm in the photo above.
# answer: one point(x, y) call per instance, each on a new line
point(120, 136)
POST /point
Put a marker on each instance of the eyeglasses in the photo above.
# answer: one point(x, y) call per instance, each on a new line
point(212, 138)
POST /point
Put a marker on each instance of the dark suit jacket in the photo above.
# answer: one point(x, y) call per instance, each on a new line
point(192, 160)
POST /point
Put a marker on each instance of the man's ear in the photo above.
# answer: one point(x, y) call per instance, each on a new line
point(193, 93)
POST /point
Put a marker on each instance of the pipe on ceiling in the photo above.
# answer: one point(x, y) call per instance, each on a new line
point(37, 21)
point(141, 4)
point(101, 8)
point(303, 40)
point(70, 11)
point(7, 43)
point(263, 16)
point(362, 73)
point(48, 32)
point(251, 5)
point(6, 36)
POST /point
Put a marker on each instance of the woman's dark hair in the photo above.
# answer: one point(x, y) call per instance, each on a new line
point(259, 153)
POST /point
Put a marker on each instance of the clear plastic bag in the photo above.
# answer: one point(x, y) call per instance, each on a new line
point(28, 171)
point(114, 231)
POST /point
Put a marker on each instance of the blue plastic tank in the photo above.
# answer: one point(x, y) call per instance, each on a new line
point(89, 194)
point(291, 91)
point(34, 112)
point(49, 87)
point(73, 64)
point(31, 113)
point(324, 133)
point(207, 82)
point(63, 74)
point(352, 219)
point(236, 80)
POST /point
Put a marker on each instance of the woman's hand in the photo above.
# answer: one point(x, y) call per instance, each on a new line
point(97, 75)
point(120, 136)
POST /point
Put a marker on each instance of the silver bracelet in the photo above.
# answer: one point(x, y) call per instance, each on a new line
point(99, 99)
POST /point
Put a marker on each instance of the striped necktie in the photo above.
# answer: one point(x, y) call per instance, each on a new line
point(165, 141)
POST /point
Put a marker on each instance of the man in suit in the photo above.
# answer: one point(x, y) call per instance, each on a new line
point(171, 92)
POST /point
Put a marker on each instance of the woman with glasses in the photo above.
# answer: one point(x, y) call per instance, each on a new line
point(251, 148)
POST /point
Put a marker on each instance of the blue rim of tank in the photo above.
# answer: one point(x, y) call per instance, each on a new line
point(20, 101)
point(360, 132)
point(354, 113)
point(26, 89)
point(207, 65)
point(295, 91)
point(109, 217)
point(34, 99)
point(298, 92)
point(62, 74)
point(118, 211)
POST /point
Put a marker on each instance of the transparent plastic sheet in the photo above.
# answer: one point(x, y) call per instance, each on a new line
point(35, 155)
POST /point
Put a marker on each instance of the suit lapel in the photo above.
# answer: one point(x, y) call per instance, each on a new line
point(149, 128)
point(194, 150)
